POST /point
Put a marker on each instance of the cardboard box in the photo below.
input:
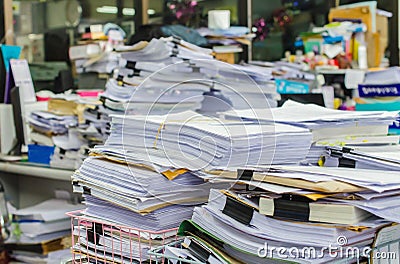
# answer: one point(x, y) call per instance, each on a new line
point(376, 37)
point(226, 57)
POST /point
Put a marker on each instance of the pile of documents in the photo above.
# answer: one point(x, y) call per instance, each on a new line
point(49, 123)
point(52, 129)
point(137, 197)
point(137, 194)
point(198, 142)
point(170, 75)
point(70, 124)
point(39, 230)
point(329, 128)
point(229, 36)
point(374, 157)
point(293, 208)
point(173, 75)
point(95, 57)
point(298, 207)
point(151, 167)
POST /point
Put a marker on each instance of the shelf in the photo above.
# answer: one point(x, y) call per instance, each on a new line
point(335, 72)
point(36, 171)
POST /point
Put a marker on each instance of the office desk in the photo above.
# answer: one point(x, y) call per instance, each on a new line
point(26, 184)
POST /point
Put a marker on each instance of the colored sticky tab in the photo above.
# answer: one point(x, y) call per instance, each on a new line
point(171, 175)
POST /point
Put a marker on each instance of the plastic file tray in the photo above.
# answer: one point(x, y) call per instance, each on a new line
point(90, 236)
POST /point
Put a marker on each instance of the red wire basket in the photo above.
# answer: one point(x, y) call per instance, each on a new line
point(99, 241)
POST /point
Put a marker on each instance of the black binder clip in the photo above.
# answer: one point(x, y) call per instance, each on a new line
point(176, 40)
point(130, 65)
point(195, 69)
point(343, 162)
point(135, 72)
point(120, 80)
point(239, 211)
point(86, 190)
point(175, 52)
point(347, 150)
point(244, 175)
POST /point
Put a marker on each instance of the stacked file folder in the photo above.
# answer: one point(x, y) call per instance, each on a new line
point(293, 208)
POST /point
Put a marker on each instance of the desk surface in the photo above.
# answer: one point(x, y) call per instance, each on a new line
point(36, 171)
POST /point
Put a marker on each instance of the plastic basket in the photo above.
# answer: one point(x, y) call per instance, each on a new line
point(98, 241)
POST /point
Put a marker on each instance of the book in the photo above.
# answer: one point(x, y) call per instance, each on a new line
point(374, 90)
point(381, 83)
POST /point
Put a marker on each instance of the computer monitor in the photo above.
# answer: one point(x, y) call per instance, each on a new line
point(56, 45)
point(309, 98)
point(18, 112)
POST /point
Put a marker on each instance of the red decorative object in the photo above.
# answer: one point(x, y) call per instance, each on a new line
point(279, 20)
point(183, 10)
point(282, 17)
point(261, 29)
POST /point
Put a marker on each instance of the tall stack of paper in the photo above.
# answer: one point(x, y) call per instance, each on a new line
point(153, 166)
point(137, 197)
point(194, 141)
point(129, 193)
point(173, 75)
point(169, 75)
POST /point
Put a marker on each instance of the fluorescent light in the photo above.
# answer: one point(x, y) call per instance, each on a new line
point(151, 11)
point(107, 10)
point(128, 11)
point(114, 10)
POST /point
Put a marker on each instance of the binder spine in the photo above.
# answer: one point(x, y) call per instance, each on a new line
point(238, 211)
point(343, 161)
point(379, 90)
point(292, 210)
point(131, 65)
